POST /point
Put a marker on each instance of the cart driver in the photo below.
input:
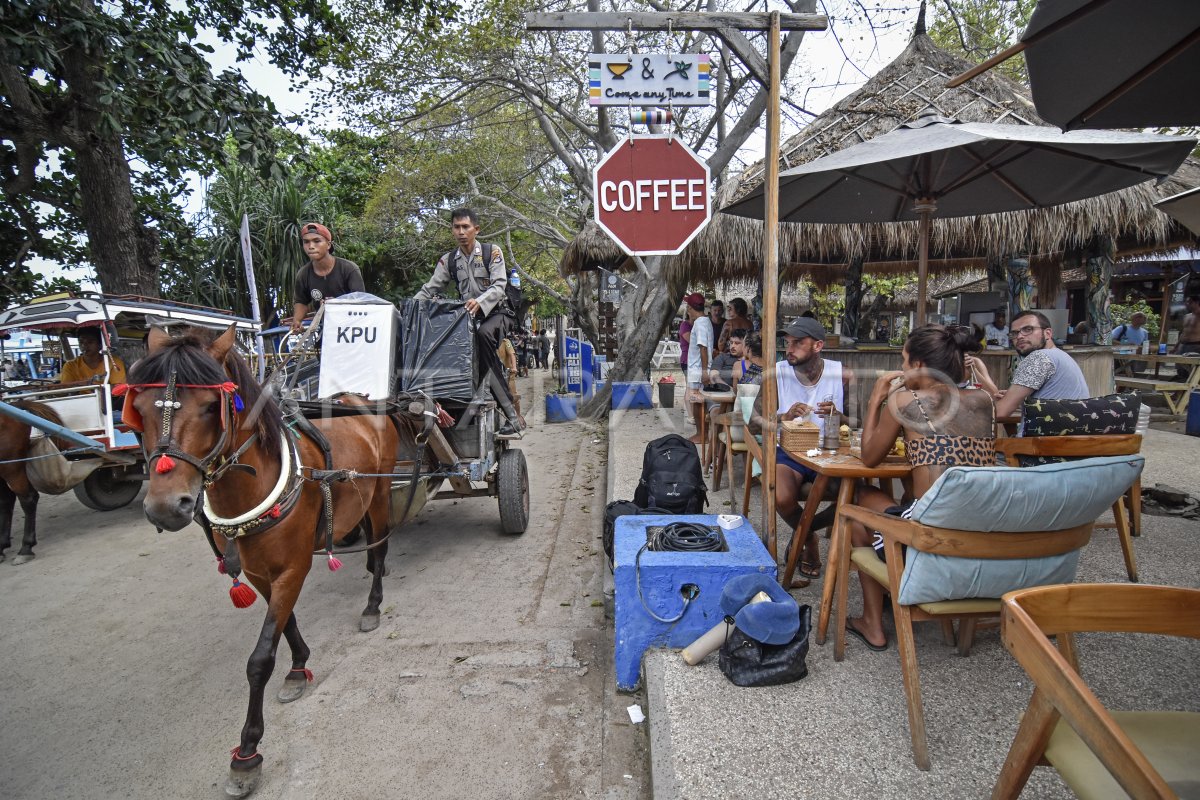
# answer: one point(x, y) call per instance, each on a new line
point(90, 366)
point(324, 276)
point(482, 287)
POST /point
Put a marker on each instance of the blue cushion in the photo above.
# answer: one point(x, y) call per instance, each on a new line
point(1049, 497)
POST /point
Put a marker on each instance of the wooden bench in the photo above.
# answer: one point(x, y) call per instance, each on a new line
point(1174, 392)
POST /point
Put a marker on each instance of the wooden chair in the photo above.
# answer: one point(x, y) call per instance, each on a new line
point(1086, 447)
point(1098, 753)
point(731, 433)
point(754, 452)
point(937, 541)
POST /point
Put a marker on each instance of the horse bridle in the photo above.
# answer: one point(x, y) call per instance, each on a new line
point(165, 447)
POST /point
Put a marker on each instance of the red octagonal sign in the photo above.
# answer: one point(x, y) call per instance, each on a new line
point(651, 195)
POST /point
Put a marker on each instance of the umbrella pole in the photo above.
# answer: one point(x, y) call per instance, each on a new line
point(925, 209)
point(770, 287)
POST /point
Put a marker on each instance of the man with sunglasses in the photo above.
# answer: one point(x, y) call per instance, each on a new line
point(1044, 372)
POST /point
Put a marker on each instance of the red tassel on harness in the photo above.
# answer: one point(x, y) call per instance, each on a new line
point(241, 594)
point(334, 562)
point(164, 465)
point(221, 564)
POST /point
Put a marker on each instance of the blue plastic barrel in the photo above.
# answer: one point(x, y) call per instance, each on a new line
point(1193, 415)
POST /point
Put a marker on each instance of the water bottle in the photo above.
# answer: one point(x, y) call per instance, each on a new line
point(514, 278)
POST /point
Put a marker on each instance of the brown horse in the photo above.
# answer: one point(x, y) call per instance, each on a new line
point(14, 481)
point(208, 427)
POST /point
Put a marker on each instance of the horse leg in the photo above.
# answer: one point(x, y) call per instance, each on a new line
point(8, 500)
point(245, 769)
point(377, 526)
point(29, 502)
point(298, 678)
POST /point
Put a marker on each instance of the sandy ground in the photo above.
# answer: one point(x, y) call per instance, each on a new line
point(490, 675)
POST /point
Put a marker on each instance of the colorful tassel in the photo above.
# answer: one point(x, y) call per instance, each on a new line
point(241, 594)
point(275, 511)
point(334, 562)
point(238, 405)
point(221, 564)
point(164, 465)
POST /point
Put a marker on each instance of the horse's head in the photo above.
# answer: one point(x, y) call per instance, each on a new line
point(181, 395)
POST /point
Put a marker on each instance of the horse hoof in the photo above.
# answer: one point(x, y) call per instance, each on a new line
point(292, 689)
point(22, 558)
point(242, 782)
point(369, 622)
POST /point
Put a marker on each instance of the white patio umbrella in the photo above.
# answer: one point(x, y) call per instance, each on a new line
point(1184, 208)
point(940, 166)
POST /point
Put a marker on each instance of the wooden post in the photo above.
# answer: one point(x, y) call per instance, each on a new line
point(924, 209)
point(770, 284)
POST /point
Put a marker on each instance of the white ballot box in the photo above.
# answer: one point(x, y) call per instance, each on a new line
point(358, 346)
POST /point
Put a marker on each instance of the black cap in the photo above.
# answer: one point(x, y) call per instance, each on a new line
point(805, 326)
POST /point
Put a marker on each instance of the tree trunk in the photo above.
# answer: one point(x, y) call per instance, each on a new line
point(641, 319)
point(851, 318)
point(124, 253)
point(1098, 264)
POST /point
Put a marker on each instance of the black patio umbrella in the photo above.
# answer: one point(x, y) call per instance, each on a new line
point(937, 166)
point(1111, 63)
point(1184, 208)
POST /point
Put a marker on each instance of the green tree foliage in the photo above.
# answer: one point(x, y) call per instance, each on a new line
point(106, 106)
point(979, 29)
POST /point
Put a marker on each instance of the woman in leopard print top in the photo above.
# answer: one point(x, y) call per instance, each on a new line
point(945, 421)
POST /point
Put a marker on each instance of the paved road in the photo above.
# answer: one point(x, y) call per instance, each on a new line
point(123, 660)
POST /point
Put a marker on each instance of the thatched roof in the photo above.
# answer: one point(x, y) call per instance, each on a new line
point(914, 81)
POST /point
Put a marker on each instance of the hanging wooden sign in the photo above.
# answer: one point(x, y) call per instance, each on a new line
point(648, 79)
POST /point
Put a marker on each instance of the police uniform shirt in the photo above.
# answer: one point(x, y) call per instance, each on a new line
point(475, 280)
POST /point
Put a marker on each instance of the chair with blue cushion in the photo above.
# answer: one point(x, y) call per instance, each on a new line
point(978, 533)
point(1098, 753)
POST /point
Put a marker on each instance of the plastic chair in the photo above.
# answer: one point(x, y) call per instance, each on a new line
point(1097, 753)
point(1086, 447)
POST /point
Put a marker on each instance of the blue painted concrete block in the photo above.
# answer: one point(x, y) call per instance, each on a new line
point(662, 577)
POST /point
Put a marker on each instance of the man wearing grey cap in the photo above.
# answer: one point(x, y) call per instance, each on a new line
point(805, 384)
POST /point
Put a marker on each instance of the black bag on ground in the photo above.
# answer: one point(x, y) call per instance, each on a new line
point(614, 510)
point(672, 478)
point(749, 662)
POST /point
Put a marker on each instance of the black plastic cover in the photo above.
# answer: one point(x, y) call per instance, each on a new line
point(437, 350)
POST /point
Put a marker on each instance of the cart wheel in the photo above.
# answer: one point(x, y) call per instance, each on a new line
point(512, 489)
point(107, 489)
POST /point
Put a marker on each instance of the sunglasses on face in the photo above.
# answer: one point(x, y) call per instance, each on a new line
point(1028, 329)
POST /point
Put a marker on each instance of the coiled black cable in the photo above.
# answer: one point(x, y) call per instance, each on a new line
point(691, 537)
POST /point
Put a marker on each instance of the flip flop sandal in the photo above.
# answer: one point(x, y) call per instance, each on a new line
point(853, 631)
point(810, 569)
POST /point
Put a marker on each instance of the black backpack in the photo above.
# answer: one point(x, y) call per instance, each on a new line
point(513, 294)
point(672, 478)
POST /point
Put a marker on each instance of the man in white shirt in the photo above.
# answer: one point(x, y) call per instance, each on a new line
point(995, 333)
point(699, 355)
point(806, 384)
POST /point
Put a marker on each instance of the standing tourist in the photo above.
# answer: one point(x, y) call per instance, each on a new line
point(699, 356)
point(1189, 335)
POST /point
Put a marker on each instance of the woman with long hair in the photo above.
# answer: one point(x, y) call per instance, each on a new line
point(945, 421)
point(749, 368)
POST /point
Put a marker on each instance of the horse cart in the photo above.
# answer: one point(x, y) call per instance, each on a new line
point(103, 459)
point(419, 358)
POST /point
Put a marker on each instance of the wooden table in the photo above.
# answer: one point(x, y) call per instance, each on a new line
point(724, 402)
point(828, 466)
point(1174, 392)
point(1157, 360)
